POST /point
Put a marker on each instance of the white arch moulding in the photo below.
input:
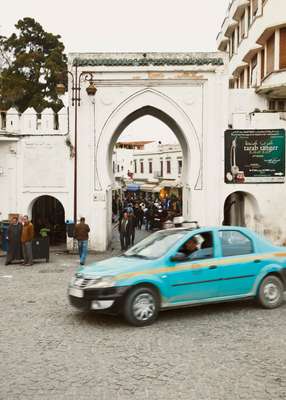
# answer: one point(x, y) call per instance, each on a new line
point(252, 213)
point(33, 201)
point(147, 102)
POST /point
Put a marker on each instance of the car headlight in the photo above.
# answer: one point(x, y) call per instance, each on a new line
point(104, 282)
point(73, 280)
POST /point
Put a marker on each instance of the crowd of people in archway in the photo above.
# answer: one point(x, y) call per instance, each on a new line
point(134, 212)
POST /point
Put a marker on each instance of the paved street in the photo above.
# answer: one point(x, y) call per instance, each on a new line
point(51, 351)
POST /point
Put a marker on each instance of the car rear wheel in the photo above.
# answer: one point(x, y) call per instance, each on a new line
point(141, 306)
point(270, 293)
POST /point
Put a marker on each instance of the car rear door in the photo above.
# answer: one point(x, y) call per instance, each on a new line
point(239, 265)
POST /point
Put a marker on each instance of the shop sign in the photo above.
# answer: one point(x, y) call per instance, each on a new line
point(254, 156)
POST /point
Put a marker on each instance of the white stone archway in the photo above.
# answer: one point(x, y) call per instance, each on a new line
point(148, 102)
point(182, 90)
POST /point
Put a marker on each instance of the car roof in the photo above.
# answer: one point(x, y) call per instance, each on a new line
point(209, 228)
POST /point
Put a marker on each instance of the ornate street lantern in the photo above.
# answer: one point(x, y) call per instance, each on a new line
point(60, 89)
point(91, 89)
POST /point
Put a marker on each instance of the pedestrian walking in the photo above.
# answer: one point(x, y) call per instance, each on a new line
point(81, 234)
point(140, 218)
point(14, 241)
point(27, 236)
point(124, 231)
point(132, 222)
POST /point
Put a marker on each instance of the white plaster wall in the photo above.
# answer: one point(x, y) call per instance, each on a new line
point(8, 178)
point(124, 159)
point(156, 157)
point(194, 102)
point(34, 166)
point(270, 197)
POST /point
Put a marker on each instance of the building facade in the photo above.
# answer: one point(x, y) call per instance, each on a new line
point(183, 91)
point(36, 167)
point(155, 169)
point(219, 105)
point(253, 38)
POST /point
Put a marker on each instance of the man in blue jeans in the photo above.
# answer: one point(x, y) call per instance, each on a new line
point(81, 234)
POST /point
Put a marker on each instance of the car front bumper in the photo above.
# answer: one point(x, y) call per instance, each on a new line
point(103, 299)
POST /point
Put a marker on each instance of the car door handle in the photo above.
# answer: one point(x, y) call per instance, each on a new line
point(212, 266)
point(257, 260)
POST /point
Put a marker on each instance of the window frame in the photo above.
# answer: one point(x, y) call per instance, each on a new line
point(240, 233)
point(213, 247)
point(180, 166)
point(168, 166)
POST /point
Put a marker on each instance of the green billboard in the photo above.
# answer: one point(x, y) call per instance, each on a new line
point(254, 156)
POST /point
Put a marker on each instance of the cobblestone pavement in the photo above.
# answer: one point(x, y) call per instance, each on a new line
point(50, 351)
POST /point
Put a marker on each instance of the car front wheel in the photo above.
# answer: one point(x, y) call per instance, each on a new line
point(141, 306)
point(270, 293)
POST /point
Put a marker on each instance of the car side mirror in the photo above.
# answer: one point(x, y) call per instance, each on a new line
point(179, 257)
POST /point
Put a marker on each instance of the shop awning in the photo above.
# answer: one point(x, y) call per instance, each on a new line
point(147, 187)
point(170, 184)
point(132, 187)
point(156, 189)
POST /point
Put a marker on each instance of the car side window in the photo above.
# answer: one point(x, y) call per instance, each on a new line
point(234, 243)
point(198, 247)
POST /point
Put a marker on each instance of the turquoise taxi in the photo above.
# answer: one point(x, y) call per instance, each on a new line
point(182, 267)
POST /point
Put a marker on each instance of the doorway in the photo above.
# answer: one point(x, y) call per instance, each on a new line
point(48, 213)
point(241, 209)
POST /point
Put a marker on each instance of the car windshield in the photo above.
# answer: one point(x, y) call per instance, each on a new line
point(156, 245)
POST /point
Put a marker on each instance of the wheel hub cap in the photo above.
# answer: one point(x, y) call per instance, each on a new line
point(271, 292)
point(144, 307)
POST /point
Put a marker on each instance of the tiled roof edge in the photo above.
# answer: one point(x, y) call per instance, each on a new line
point(145, 61)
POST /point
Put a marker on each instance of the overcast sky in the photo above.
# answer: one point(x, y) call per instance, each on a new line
point(125, 25)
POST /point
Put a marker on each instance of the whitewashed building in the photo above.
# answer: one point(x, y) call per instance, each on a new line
point(35, 163)
point(211, 102)
point(154, 167)
point(253, 38)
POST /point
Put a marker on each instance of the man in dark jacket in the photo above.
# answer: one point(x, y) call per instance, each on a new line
point(14, 241)
point(124, 228)
point(132, 222)
point(81, 231)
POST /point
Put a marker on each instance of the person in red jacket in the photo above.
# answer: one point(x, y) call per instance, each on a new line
point(26, 240)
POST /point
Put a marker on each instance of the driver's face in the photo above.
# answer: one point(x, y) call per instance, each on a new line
point(191, 245)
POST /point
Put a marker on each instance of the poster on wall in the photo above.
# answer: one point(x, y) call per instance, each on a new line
point(254, 156)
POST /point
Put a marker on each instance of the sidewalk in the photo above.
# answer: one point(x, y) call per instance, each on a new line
point(114, 249)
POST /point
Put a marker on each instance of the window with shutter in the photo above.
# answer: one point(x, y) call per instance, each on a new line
point(168, 166)
point(241, 80)
point(243, 26)
point(271, 105)
point(262, 64)
point(281, 106)
point(282, 63)
point(270, 54)
point(248, 76)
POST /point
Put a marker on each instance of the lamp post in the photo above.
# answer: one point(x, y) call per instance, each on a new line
point(77, 79)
